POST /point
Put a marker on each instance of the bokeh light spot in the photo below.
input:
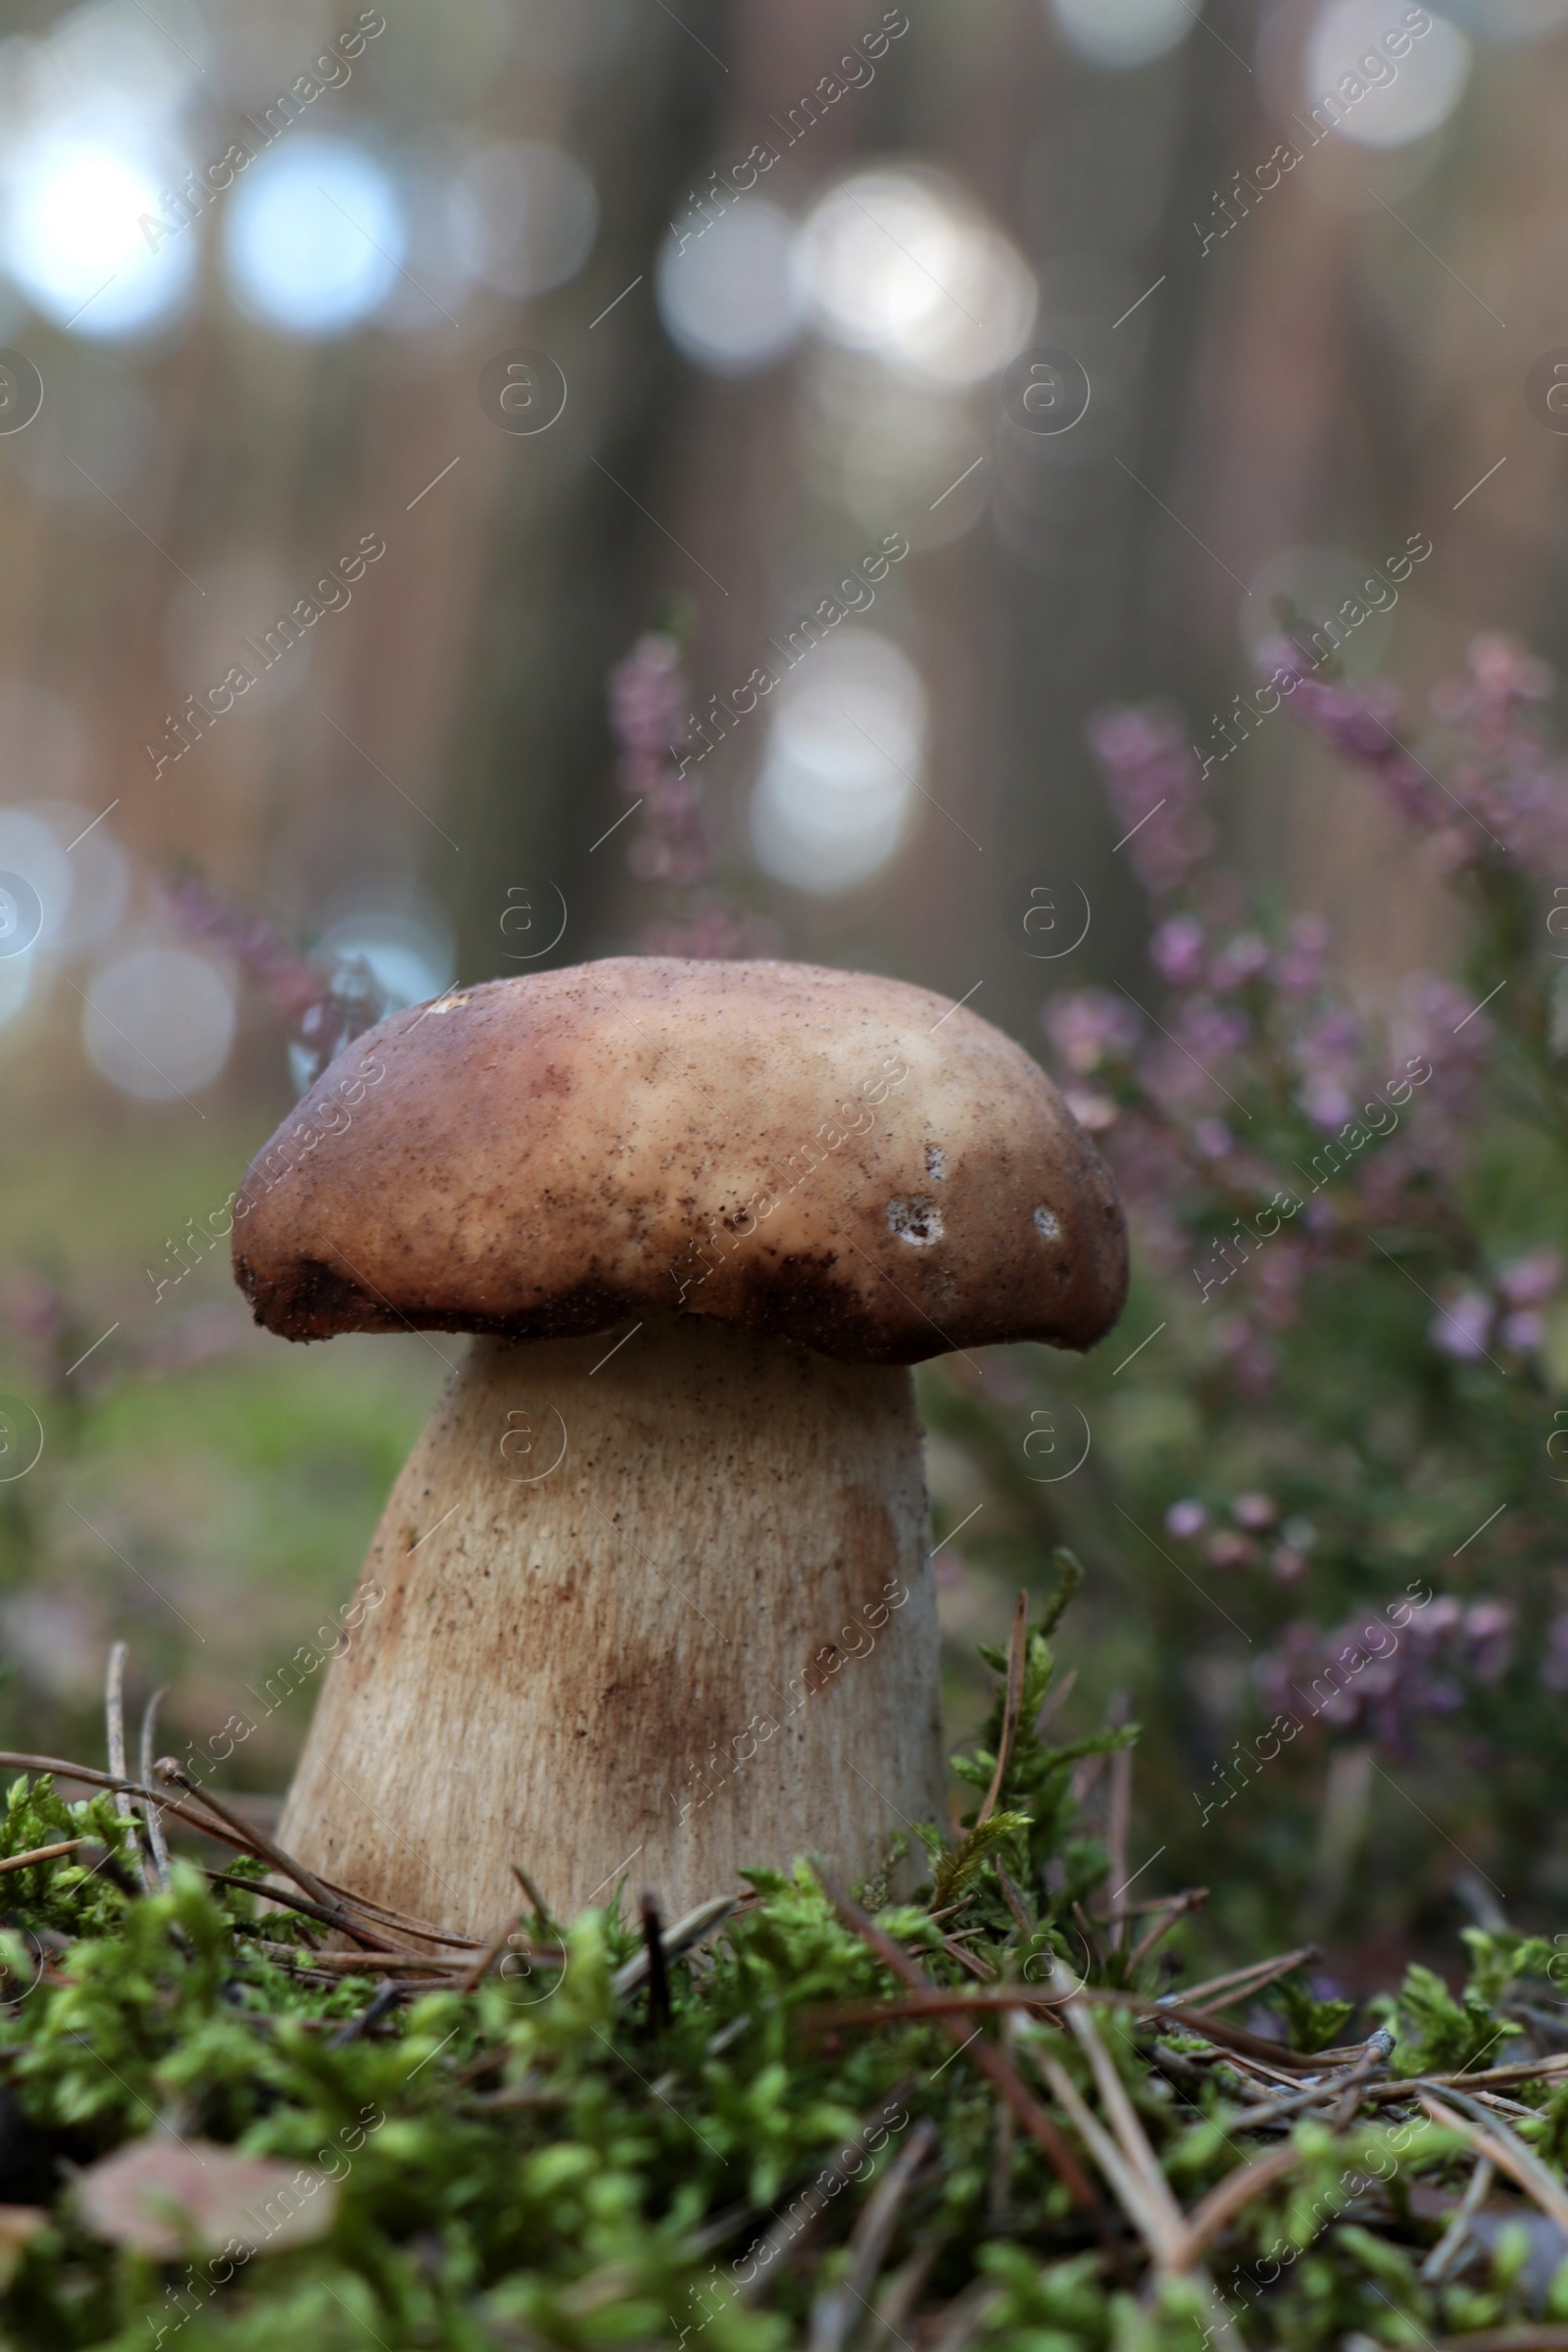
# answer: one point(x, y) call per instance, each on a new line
point(74, 238)
point(1403, 97)
point(732, 296)
point(313, 238)
point(158, 1021)
point(840, 775)
point(1124, 32)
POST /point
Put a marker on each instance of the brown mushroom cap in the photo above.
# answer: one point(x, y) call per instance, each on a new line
point(837, 1158)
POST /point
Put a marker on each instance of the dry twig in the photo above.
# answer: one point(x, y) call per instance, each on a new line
point(1017, 1657)
point(992, 2062)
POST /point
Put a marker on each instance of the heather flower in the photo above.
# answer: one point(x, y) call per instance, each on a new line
point(1189, 1518)
point(1253, 1363)
point(1300, 966)
point(1281, 1270)
point(648, 696)
point(1226, 1548)
point(1091, 1027)
point(324, 1006)
point(1463, 1326)
point(1357, 723)
point(1501, 673)
point(1530, 1280)
point(1486, 1634)
point(1214, 1139)
point(1254, 1511)
point(1243, 958)
point(1153, 782)
point(1381, 1681)
point(1437, 1023)
point(673, 846)
point(1094, 1114)
point(1212, 1031)
point(1328, 1055)
point(1179, 950)
point(715, 931)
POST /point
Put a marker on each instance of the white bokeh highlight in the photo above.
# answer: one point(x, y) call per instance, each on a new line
point(1120, 34)
point(158, 1021)
point(732, 296)
point(840, 775)
point(72, 234)
point(899, 266)
point(313, 238)
point(523, 215)
point(1403, 97)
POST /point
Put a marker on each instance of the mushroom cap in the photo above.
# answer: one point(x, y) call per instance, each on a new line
point(829, 1156)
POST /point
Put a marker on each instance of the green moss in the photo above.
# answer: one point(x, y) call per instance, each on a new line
point(540, 2162)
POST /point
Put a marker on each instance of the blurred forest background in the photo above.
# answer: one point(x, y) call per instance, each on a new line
point(492, 335)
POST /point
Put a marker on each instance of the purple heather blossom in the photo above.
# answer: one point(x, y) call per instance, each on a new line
point(1213, 1138)
point(324, 1006)
point(1243, 958)
point(1226, 1548)
point(1437, 1023)
point(1091, 1027)
point(1152, 777)
point(1211, 1030)
point(1301, 966)
point(1094, 1114)
point(1329, 1056)
point(1254, 1511)
point(674, 849)
point(1463, 1326)
point(1358, 722)
point(1508, 794)
point(1189, 1518)
point(1380, 1680)
point(1179, 951)
point(1487, 1635)
point(1530, 1281)
point(649, 698)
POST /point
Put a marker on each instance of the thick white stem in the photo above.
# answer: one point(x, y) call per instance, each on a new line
point(662, 1609)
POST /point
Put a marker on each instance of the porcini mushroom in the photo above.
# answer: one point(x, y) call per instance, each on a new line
point(652, 1593)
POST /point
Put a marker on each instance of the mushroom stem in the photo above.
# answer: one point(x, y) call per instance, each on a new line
point(654, 1605)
